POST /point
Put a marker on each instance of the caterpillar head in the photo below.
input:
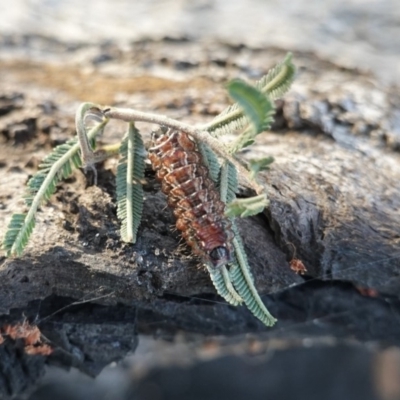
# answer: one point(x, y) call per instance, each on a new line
point(220, 256)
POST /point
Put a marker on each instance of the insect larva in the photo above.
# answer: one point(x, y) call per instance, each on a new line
point(193, 196)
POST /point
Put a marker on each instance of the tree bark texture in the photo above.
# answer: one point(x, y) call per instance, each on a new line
point(334, 205)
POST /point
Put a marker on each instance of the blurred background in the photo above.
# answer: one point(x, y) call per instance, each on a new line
point(355, 33)
point(360, 34)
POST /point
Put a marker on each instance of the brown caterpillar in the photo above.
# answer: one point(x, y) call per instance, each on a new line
point(193, 196)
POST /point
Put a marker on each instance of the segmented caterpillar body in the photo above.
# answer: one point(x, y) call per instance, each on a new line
point(193, 196)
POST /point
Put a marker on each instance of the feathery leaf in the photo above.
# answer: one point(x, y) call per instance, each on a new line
point(228, 182)
point(278, 79)
point(59, 164)
point(275, 84)
point(226, 179)
point(210, 160)
point(70, 160)
point(244, 283)
point(223, 285)
point(17, 232)
point(230, 120)
point(246, 207)
point(255, 104)
point(245, 139)
point(248, 137)
point(130, 173)
point(257, 107)
point(261, 164)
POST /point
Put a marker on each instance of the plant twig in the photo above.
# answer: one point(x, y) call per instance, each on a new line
point(130, 115)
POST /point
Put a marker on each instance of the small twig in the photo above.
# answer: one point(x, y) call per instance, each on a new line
point(88, 156)
point(75, 303)
point(130, 115)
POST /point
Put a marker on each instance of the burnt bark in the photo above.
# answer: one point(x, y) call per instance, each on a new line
point(334, 205)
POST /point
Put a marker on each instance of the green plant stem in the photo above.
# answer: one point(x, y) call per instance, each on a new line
point(86, 149)
point(88, 156)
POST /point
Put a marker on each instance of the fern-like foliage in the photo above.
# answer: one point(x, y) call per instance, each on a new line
point(18, 233)
point(220, 276)
point(261, 164)
point(59, 164)
point(251, 114)
point(223, 285)
point(230, 120)
point(246, 207)
point(279, 79)
point(228, 182)
point(275, 84)
point(257, 107)
point(236, 285)
point(130, 174)
point(243, 282)
point(239, 271)
point(210, 160)
point(67, 155)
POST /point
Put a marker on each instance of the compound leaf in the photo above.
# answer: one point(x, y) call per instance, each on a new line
point(221, 281)
point(18, 233)
point(246, 207)
point(210, 160)
point(56, 166)
point(275, 84)
point(244, 283)
point(278, 79)
point(130, 174)
point(256, 105)
point(261, 164)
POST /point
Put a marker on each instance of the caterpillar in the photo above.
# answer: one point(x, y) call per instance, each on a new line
point(192, 195)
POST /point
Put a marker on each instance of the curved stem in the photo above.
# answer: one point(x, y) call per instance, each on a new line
point(129, 115)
